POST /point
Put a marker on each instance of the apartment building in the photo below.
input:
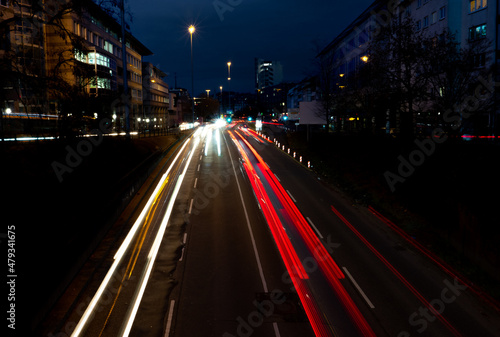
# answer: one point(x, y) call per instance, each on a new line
point(99, 50)
point(22, 58)
point(159, 112)
point(471, 21)
point(81, 52)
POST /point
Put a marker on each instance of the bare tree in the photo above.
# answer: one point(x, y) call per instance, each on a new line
point(453, 73)
point(395, 64)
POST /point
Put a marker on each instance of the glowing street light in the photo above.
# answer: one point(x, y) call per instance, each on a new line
point(191, 30)
point(229, 83)
point(220, 106)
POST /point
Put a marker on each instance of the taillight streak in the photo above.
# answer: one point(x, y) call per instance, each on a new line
point(448, 269)
point(324, 259)
point(292, 263)
point(397, 273)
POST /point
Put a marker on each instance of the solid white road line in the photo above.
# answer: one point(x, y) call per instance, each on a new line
point(370, 304)
point(315, 228)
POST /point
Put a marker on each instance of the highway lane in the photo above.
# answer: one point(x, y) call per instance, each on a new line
point(316, 276)
point(231, 279)
point(398, 284)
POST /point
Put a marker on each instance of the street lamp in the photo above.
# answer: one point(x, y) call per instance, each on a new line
point(220, 106)
point(191, 31)
point(229, 83)
point(208, 92)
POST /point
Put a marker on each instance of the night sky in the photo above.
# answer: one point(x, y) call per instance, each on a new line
point(289, 31)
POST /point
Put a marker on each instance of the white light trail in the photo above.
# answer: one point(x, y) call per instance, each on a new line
point(121, 251)
point(217, 137)
point(156, 246)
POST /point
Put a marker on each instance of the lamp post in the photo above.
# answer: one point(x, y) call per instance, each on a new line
point(191, 31)
point(220, 106)
point(229, 83)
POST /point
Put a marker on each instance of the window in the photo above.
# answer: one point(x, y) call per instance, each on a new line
point(419, 3)
point(76, 28)
point(4, 3)
point(434, 18)
point(108, 46)
point(476, 5)
point(425, 22)
point(80, 56)
point(101, 60)
point(477, 32)
point(418, 25)
point(442, 13)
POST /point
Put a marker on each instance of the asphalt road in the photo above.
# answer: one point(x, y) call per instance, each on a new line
point(229, 242)
point(398, 283)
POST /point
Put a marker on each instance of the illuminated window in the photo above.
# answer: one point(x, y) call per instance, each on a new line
point(102, 83)
point(477, 32)
point(80, 56)
point(476, 5)
point(101, 60)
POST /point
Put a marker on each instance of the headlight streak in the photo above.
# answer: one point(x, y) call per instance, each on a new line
point(124, 246)
point(156, 246)
point(208, 141)
point(217, 137)
point(324, 259)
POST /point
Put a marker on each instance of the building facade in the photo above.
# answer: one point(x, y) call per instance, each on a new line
point(471, 22)
point(78, 57)
point(95, 61)
point(157, 112)
point(267, 73)
point(22, 58)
